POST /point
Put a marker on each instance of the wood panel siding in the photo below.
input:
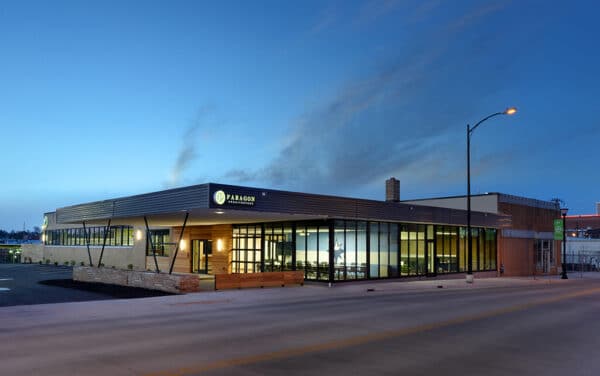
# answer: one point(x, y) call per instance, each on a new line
point(219, 261)
point(253, 280)
point(517, 254)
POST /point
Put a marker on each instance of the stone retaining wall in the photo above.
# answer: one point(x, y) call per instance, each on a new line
point(173, 283)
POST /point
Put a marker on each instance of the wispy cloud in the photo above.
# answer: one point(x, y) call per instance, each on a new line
point(325, 19)
point(372, 10)
point(392, 122)
point(187, 153)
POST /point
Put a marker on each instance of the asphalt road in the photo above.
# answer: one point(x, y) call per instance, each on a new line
point(495, 327)
point(25, 284)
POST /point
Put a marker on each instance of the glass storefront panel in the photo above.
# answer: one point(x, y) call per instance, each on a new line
point(374, 250)
point(351, 262)
point(394, 257)
point(312, 253)
point(287, 248)
point(403, 250)
point(339, 251)
point(384, 253)
point(301, 237)
point(481, 249)
point(421, 250)
point(462, 249)
point(361, 250)
point(475, 248)
point(412, 249)
point(323, 249)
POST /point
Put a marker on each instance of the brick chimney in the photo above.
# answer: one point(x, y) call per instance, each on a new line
point(392, 190)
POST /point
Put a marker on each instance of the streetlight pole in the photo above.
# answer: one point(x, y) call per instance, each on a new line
point(508, 111)
point(563, 212)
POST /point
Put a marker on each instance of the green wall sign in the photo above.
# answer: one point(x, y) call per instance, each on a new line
point(558, 229)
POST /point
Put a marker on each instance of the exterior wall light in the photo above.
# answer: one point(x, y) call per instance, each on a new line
point(138, 235)
point(219, 245)
point(182, 244)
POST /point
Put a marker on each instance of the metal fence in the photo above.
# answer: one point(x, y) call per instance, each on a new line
point(582, 261)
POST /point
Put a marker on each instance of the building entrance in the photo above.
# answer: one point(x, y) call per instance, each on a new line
point(201, 251)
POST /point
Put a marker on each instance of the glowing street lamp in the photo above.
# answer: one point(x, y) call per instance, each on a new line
point(508, 111)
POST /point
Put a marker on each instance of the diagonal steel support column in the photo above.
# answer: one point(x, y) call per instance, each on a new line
point(149, 240)
point(187, 214)
point(87, 243)
point(106, 231)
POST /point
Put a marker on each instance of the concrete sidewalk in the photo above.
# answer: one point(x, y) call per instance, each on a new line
point(458, 284)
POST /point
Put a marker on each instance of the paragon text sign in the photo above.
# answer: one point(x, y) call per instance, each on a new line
point(221, 197)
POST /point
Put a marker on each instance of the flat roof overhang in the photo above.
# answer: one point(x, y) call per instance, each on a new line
point(205, 217)
point(219, 204)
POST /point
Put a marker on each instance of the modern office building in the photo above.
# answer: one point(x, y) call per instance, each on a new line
point(215, 228)
point(583, 241)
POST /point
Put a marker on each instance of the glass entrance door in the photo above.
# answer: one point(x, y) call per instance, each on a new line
point(201, 249)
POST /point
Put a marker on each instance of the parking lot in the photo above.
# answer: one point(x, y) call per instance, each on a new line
point(25, 284)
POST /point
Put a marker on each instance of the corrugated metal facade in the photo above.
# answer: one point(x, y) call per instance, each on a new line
point(350, 208)
point(172, 200)
point(268, 201)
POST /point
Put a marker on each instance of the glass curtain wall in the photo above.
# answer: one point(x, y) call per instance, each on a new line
point(312, 250)
point(279, 247)
point(350, 250)
point(361, 250)
point(246, 252)
point(446, 243)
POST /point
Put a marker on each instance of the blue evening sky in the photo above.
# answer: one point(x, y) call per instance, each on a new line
point(100, 99)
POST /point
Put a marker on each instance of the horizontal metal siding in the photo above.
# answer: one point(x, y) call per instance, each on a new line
point(195, 197)
point(271, 201)
point(150, 203)
point(338, 207)
point(85, 212)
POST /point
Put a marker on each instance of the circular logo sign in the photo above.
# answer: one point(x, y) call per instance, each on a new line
point(219, 197)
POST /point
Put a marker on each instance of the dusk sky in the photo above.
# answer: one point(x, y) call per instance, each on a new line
point(112, 98)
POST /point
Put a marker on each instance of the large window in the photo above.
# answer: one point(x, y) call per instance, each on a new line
point(279, 247)
point(161, 241)
point(350, 250)
point(246, 253)
point(361, 249)
point(119, 236)
point(312, 250)
point(446, 243)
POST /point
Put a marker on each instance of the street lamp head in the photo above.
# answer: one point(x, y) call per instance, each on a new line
point(510, 111)
point(563, 211)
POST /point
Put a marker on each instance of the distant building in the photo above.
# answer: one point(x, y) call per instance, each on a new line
point(526, 244)
point(583, 241)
